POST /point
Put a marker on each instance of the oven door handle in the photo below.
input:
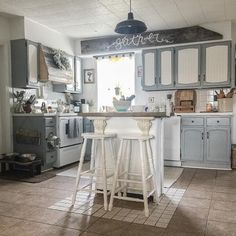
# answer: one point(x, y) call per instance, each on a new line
point(67, 128)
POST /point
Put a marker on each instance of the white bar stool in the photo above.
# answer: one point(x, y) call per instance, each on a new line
point(121, 177)
point(92, 172)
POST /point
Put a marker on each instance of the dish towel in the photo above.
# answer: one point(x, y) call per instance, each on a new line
point(71, 128)
point(76, 127)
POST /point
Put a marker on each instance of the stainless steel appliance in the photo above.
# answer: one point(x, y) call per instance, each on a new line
point(70, 144)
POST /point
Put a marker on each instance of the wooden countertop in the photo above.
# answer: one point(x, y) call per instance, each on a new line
point(124, 114)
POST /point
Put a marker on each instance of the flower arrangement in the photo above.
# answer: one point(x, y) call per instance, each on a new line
point(60, 60)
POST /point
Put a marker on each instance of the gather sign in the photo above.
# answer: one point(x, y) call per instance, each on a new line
point(148, 39)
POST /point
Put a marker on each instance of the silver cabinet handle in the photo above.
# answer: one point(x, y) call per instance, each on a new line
point(204, 77)
point(202, 135)
point(208, 135)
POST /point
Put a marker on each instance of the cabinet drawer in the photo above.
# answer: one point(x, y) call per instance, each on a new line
point(50, 121)
point(218, 121)
point(192, 121)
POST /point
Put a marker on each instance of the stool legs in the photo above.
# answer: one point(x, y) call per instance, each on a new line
point(79, 170)
point(127, 165)
point(152, 169)
point(116, 175)
point(104, 173)
point(144, 183)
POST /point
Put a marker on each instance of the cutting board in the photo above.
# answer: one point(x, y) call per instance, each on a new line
point(185, 100)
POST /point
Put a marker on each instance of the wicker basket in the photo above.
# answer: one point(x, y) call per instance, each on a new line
point(234, 158)
point(225, 104)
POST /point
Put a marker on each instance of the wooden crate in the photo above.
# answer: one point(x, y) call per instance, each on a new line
point(234, 158)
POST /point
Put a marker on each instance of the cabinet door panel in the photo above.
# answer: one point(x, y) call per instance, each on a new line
point(32, 63)
point(216, 64)
point(188, 66)
point(149, 69)
point(78, 82)
point(192, 144)
point(165, 65)
point(218, 144)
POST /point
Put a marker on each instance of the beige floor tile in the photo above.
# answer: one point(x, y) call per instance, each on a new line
point(222, 216)
point(107, 226)
point(192, 212)
point(195, 202)
point(223, 205)
point(47, 216)
point(7, 222)
point(141, 230)
point(77, 221)
point(198, 194)
point(191, 225)
point(215, 228)
point(224, 197)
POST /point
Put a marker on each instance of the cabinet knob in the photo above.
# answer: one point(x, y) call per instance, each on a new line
point(218, 121)
point(192, 121)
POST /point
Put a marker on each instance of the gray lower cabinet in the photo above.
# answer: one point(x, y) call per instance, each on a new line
point(192, 144)
point(206, 141)
point(218, 144)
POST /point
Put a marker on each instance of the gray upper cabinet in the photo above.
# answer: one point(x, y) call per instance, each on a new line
point(75, 87)
point(165, 68)
point(187, 67)
point(149, 81)
point(24, 63)
point(216, 61)
point(193, 66)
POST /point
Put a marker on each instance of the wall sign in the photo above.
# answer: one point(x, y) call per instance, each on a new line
point(148, 39)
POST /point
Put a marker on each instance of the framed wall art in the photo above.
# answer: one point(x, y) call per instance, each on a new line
point(89, 76)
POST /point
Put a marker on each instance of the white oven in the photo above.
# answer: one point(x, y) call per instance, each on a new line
point(69, 130)
point(64, 130)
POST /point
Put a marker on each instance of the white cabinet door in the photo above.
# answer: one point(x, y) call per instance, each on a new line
point(187, 66)
point(32, 63)
point(216, 64)
point(149, 69)
point(165, 68)
point(172, 139)
point(78, 82)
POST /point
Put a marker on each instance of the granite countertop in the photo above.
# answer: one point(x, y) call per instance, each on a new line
point(205, 114)
point(46, 114)
point(34, 114)
point(124, 114)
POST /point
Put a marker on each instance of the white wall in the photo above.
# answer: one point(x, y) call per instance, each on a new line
point(47, 36)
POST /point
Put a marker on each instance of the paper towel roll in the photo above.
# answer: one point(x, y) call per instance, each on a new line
point(85, 108)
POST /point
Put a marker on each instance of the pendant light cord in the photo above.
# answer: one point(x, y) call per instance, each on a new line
point(129, 5)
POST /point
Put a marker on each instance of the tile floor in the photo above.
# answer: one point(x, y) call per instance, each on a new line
point(207, 207)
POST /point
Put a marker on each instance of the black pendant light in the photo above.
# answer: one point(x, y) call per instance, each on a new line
point(130, 26)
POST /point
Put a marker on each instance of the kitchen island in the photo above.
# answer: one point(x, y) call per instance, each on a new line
point(133, 123)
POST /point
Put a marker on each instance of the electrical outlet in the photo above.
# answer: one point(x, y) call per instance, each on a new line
point(150, 99)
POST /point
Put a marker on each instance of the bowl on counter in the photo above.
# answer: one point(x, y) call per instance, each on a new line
point(138, 108)
point(121, 106)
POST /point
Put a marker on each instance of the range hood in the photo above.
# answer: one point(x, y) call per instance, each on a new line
point(49, 70)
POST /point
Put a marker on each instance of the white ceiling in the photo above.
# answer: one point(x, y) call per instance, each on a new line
point(93, 18)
